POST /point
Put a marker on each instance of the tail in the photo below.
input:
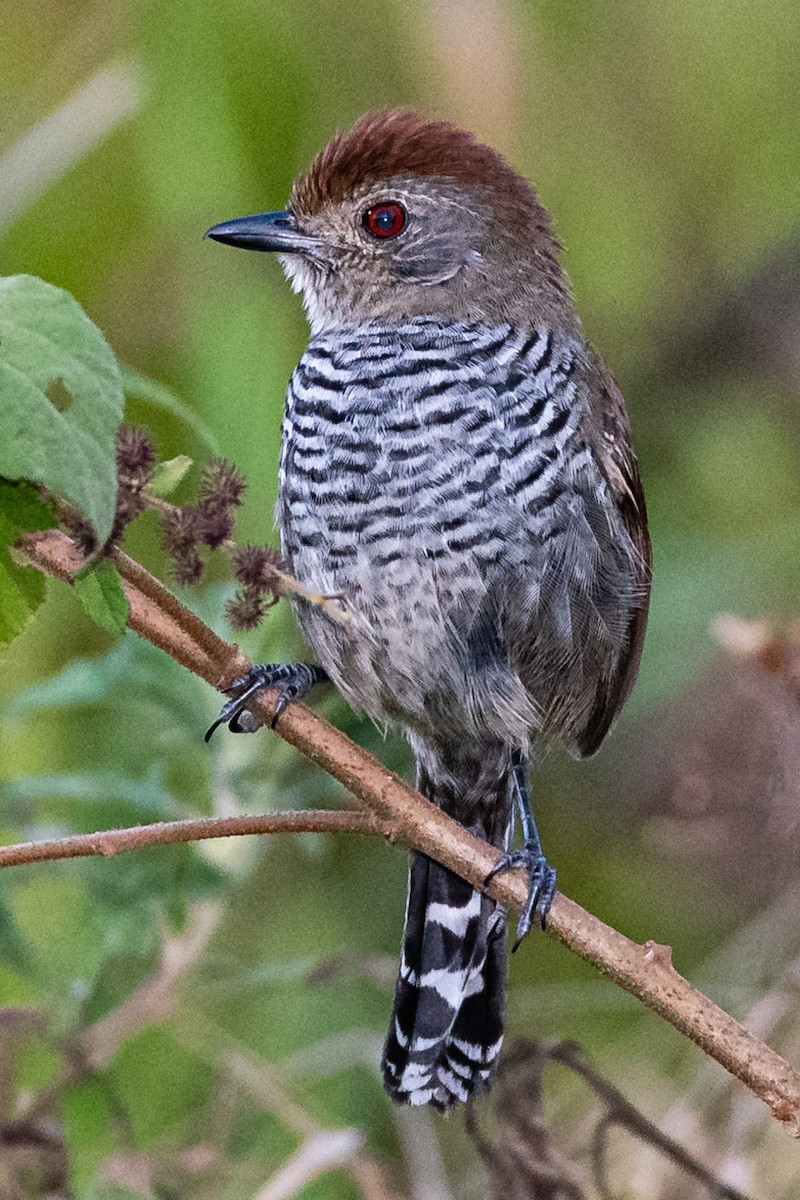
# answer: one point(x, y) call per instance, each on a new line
point(446, 1028)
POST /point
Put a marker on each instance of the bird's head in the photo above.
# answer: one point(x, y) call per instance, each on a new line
point(401, 217)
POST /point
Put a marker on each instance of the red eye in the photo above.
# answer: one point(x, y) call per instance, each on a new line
point(385, 220)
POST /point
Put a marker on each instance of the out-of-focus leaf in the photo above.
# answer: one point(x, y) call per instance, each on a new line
point(91, 1134)
point(148, 796)
point(61, 398)
point(22, 588)
point(64, 928)
point(132, 666)
point(85, 681)
point(167, 475)
point(22, 591)
point(99, 589)
point(153, 1113)
point(148, 884)
point(153, 392)
point(15, 950)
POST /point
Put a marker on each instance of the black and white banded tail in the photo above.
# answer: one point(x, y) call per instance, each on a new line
point(446, 1028)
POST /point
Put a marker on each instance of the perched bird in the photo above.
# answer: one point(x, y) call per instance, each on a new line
point(456, 463)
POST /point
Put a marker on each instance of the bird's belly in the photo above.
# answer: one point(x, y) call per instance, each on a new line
point(412, 546)
point(460, 514)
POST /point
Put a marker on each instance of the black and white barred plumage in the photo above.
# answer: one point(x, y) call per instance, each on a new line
point(437, 476)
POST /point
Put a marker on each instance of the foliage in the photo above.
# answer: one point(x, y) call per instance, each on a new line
point(61, 399)
point(21, 588)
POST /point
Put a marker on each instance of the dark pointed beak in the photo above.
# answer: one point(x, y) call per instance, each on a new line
point(264, 231)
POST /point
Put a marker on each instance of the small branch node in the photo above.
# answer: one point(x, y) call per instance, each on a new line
point(106, 846)
point(656, 952)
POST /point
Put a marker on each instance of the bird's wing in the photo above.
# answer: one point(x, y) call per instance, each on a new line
point(608, 433)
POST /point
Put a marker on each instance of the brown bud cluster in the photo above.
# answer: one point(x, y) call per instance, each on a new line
point(180, 537)
point(208, 523)
point(187, 529)
point(219, 493)
point(136, 458)
point(257, 570)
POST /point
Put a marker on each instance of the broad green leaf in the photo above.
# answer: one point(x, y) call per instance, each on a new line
point(167, 475)
point(22, 510)
point(153, 392)
point(61, 398)
point(22, 588)
point(99, 589)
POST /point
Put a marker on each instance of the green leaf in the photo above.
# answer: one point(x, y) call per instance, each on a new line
point(148, 798)
point(61, 398)
point(22, 588)
point(99, 589)
point(16, 952)
point(22, 510)
point(153, 392)
point(167, 475)
point(132, 672)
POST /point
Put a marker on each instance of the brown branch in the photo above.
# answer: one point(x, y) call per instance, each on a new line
point(109, 842)
point(620, 1112)
point(645, 971)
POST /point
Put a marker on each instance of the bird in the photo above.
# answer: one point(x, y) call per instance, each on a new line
point(456, 464)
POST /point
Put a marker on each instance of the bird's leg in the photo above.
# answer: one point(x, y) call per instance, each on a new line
point(541, 876)
point(292, 681)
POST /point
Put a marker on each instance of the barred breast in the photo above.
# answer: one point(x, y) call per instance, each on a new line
point(436, 475)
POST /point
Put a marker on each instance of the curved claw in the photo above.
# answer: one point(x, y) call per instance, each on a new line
point(541, 886)
point(213, 727)
point(234, 709)
point(293, 681)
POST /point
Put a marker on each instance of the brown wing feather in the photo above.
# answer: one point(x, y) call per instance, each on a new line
point(609, 435)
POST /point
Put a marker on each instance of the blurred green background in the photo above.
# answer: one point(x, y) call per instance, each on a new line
point(664, 137)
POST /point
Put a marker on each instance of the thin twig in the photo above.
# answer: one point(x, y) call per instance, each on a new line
point(328, 1150)
point(645, 971)
point(109, 842)
point(620, 1112)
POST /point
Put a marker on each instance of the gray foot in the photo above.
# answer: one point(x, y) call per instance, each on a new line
point(292, 681)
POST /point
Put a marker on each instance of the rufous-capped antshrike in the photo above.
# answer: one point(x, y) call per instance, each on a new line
point(456, 463)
